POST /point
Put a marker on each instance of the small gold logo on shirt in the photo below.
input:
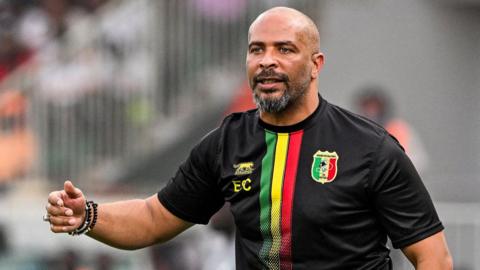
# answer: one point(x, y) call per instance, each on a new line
point(243, 168)
point(239, 185)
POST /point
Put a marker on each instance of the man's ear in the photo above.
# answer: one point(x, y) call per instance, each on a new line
point(318, 60)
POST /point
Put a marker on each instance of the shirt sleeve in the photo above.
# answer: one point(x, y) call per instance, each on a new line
point(400, 199)
point(192, 194)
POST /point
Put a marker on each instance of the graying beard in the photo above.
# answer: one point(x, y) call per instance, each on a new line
point(272, 105)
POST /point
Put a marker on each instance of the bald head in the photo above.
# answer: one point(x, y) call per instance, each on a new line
point(305, 28)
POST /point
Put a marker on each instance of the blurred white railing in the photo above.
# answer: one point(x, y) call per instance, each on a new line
point(122, 81)
point(109, 89)
point(462, 230)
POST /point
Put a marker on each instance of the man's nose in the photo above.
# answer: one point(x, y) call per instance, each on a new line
point(268, 60)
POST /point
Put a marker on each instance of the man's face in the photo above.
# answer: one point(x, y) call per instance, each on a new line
point(279, 64)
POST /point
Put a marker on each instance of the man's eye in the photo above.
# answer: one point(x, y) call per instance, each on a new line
point(285, 50)
point(255, 49)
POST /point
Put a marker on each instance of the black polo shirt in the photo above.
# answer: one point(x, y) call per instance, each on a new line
point(320, 194)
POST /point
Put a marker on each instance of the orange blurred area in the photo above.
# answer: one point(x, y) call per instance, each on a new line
point(17, 143)
point(12, 103)
point(242, 100)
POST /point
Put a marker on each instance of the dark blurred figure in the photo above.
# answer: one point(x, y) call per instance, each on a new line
point(212, 247)
point(68, 260)
point(221, 247)
point(169, 256)
point(104, 262)
point(374, 103)
point(57, 11)
point(3, 240)
point(12, 52)
point(90, 6)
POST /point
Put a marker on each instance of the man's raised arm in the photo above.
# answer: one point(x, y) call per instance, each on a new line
point(128, 224)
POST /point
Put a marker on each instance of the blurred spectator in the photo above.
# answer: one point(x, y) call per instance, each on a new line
point(212, 247)
point(17, 144)
point(67, 260)
point(169, 256)
point(374, 103)
point(221, 10)
point(90, 6)
point(219, 248)
point(3, 240)
point(12, 52)
point(104, 262)
point(40, 24)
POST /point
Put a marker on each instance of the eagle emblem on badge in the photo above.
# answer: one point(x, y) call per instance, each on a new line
point(324, 166)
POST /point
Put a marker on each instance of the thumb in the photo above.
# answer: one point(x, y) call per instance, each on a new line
point(71, 190)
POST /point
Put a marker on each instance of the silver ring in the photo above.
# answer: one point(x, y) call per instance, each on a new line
point(46, 218)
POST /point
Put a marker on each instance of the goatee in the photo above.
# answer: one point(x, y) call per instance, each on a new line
point(272, 105)
point(293, 91)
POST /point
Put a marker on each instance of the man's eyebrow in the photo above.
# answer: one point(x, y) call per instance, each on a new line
point(285, 42)
point(256, 43)
point(276, 43)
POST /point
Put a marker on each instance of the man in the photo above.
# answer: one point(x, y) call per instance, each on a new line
point(311, 186)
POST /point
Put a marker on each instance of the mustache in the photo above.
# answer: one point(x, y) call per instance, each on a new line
point(269, 74)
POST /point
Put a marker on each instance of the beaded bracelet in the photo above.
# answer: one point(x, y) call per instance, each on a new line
point(91, 214)
point(85, 223)
point(95, 215)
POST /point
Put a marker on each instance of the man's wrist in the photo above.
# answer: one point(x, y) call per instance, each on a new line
point(90, 219)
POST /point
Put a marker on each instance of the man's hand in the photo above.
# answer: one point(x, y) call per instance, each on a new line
point(129, 224)
point(66, 208)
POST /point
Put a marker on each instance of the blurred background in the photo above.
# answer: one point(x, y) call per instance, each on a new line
point(112, 94)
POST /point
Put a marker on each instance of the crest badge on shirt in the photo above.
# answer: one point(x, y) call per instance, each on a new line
point(324, 166)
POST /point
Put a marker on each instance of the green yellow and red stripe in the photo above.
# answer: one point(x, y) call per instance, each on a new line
point(277, 185)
